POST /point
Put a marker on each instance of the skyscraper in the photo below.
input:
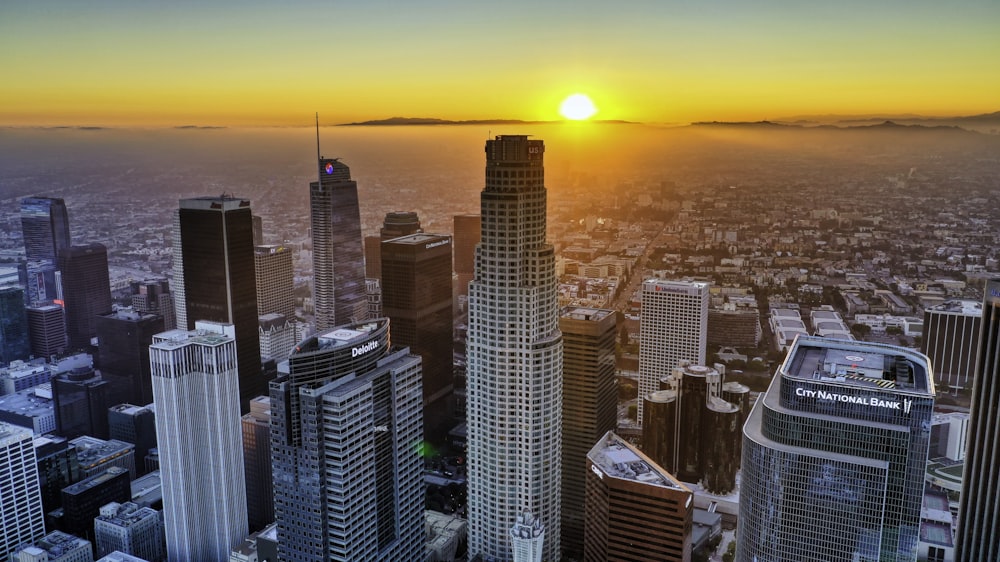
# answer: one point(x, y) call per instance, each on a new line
point(82, 399)
point(978, 536)
point(217, 273)
point(950, 340)
point(338, 255)
point(45, 226)
point(416, 296)
point(196, 391)
point(153, 296)
point(257, 463)
point(14, 342)
point(468, 232)
point(124, 337)
point(394, 225)
point(345, 426)
point(590, 406)
point(46, 329)
point(275, 285)
point(835, 455)
point(86, 291)
point(514, 357)
point(673, 326)
point(20, 498)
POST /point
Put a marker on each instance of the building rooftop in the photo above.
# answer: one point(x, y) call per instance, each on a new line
point(94, 481)
point(859, 364)
point(585, 313)
point(92, 451)
point(119, 556)
point(961, 307)
point(936, 533)
point(206, 333)
point(422, 238)
point(619, 459)
point(55, 544)
point(10, 432)
point(129, 409)
point(125, 514)
point(346, 336)
point(28, 403)
point(147, 490)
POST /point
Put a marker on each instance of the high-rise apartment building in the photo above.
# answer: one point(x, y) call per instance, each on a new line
point(131, 529)
point(635, 509)
point(196, 390)
point(14, 342)
point(515, 357)
point(835, 455)
point(45, 226)
point(589, 406)
point(673, 326)
point(951, 340)
point(416, 297)
point(20, 498)
point(216, 271)
point(123, 339)
point(338, 255)
point(345, 424)
point(275, 280)
point(46, 329)
point(257, 463)
point(978, 536)
point(86, 287)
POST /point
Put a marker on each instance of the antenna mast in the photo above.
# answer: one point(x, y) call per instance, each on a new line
point(319, 158)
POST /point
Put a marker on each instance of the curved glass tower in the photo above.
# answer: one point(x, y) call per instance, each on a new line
point(834, 455)
point(515, 357)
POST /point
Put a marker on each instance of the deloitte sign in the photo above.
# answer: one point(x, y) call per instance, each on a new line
point(363, 349)
point(871, 401)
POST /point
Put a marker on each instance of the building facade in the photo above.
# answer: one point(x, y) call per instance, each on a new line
point(275, 280)
point(45, 227)
point(20, 495)
point(835, 455)
point(196, 389)
point(345, 421)
point(216, 270)
point(951, 340)
point(123, 339)
point(589, 406)
point(515, 359)
point(673, 326)
point(14, 342)
point(82, 399)
point(46, 329)
point(86, 291)
point(131, 529)
point(153, 296)
point(338, 252)
point(635, 509)
point(257, 463)
point(978, 536)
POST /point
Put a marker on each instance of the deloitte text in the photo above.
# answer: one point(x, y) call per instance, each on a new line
point(362, 349)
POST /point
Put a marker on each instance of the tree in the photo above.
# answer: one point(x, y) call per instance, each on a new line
point(861, 331)
point(730, 554)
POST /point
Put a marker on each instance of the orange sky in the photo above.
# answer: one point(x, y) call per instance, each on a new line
point(257, 63)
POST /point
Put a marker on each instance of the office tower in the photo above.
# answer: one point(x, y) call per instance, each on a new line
point(56, 546)
point(589, 406)
point(58, 467)
point(835, 455)
point(217, 273)
point(276, 335)
point(177, 273)
point(515, 357)
point(734, 326)
point(978, 536)
point(373, 289)
point(46, 329)
point(258, 230)
point(338, 259)
point(41, 281)
point(416, 297)
point(86, 291)
point(94, 455)
point(951, 340)
point(153, 296)
point(468, 232)
point(196, 389)
point(45, 226)
point(257, 463)
point(20, 498)
point(673, 326)
point(635, 509)
point(123, 353)
point(345, 429)
point(275, 285)
point(14, 343)
point(395, 225)
point(82, 501)
point(82, 399)
point(135, 425)
point(128, 528)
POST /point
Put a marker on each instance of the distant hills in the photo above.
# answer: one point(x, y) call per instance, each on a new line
point(884, 126)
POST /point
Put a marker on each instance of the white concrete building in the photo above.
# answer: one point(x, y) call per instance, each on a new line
point(21, 517)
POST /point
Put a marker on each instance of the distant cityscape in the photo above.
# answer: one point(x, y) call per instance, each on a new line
point(717, 342)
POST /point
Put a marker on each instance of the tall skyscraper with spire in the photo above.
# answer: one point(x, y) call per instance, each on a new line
point(215, 268)
point(514, 357)
point(339, 293)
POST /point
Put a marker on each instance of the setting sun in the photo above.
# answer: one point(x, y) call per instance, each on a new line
point(577, 107)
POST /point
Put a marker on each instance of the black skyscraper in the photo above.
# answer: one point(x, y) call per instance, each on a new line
point(86, 291)
point(82, 400)
point(123, 354)
point(45, 226)
point(216, 238)
point(978, 535)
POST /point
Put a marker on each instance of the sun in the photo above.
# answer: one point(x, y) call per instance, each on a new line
point(577, 107)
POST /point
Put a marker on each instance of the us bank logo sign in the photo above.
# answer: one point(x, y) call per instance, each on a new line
point(904, 405)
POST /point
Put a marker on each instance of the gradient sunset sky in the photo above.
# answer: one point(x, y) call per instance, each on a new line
point(142, 62)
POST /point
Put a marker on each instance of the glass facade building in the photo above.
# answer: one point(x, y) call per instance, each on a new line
point(346, 423)
point(14, 342)
point(86, 287)
point(834, 455)
point(45, 226)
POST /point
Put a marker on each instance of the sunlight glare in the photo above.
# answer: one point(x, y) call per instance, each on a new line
point(577, 107)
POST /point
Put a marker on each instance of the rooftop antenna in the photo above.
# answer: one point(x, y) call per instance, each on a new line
point(319, 158)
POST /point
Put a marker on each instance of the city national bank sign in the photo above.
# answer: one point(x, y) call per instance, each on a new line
point(903, 405)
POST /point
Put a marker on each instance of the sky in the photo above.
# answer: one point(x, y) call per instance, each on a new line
point(263, 63)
